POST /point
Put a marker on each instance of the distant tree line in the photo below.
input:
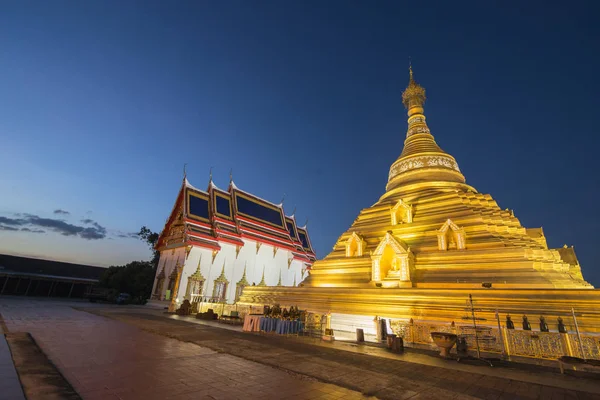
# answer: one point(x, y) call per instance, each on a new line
point(135, 278)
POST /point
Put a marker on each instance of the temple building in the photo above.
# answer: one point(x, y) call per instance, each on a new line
point(431, 240)
point(217, 242)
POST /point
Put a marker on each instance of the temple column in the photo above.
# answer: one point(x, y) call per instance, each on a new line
point(71, 290)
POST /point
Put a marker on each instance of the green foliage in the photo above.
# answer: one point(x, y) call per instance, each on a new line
point(151, 238)
point(135, 278)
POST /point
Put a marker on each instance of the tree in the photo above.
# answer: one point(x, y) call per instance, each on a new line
point(150, 238)
point(137, 277)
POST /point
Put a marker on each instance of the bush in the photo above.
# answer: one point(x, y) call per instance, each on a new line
point(135, 278)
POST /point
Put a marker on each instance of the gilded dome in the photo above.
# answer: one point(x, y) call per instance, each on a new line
point(421, 160)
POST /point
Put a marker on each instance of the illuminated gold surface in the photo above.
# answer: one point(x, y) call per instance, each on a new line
point(429, 242)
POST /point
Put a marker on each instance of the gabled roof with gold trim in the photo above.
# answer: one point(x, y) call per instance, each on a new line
point(208, 218)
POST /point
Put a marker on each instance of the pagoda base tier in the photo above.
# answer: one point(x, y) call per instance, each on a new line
point(440, 305)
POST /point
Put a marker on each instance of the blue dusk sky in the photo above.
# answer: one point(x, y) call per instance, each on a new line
point(102, 102)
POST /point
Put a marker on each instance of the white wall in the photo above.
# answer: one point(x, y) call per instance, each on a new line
point(168, 259)
point(234, 267)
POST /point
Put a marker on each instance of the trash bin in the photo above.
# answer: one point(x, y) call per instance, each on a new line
point(390, 340)
point(360, 335)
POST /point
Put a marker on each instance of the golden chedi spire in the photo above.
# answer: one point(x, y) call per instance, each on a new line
point(421, 160)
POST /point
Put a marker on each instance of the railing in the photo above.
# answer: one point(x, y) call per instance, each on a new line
point(207, 299)
point(515, 342)
point(314, 325)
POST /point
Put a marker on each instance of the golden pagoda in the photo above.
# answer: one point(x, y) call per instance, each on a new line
point(429, 242)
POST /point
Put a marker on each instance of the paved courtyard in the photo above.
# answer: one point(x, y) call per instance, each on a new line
point(105, 359)
point(139, 353)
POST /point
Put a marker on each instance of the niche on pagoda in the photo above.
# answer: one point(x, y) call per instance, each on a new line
point(451, 237)
point(402, 213)
point(355, 245)
point(392, 263)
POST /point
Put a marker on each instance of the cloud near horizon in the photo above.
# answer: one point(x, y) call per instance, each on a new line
point(32, 223)
point(61, 212)
point(33, 230)
point(133, 235)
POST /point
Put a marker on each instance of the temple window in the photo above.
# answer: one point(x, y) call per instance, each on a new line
point(355, 246)
point(401, 213)
point(451, 237)
point(171, 285)
point(238, 291)
point(195, 286)
point(219, 291)
point(242, 283)
point(159, 284)
point(160, 281)
point(220, 287)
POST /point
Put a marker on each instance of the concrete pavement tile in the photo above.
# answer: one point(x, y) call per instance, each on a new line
point(396, 392)
point(120, 350)
point(587, 396)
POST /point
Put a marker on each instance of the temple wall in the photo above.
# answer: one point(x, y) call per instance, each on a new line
point(273, 263)
point(168, 259)
point(345, 325)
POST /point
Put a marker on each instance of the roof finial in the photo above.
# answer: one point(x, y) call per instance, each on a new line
point(294, 212)
point(230, 175)
point(184, 171)
point(413, 96)
point(210, 175)
point(283, 198)
point(306, 223)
